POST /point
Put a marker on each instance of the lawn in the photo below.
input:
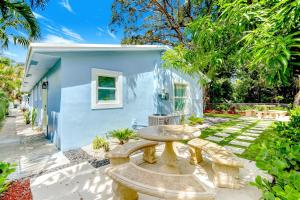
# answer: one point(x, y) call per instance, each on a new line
point(224, 115)
point(251, 152)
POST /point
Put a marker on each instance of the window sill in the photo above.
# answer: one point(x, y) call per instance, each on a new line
point(106, 106)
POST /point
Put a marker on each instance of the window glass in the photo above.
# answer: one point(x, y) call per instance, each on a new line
point(106, 81)
point(179, 96)
point(106, 94)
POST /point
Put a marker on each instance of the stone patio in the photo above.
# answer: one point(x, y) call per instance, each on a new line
point(55, 176)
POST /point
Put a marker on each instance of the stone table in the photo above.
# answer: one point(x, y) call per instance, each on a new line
point(169, 134)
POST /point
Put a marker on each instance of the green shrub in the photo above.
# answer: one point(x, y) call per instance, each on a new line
point(5, 170)
point(3, 105)
point(221, 107)
point(193, 120)
point(278, 108)
point(27, 117)
point(123, 135)
point(244, 107)
point(99, 143)
point(33, 116)
point(280, 157)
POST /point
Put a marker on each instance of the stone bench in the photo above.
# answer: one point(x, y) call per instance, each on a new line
point(129, 179)
point(225, 164)
point(121, 153)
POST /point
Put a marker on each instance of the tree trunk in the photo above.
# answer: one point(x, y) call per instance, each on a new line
point(297, 97)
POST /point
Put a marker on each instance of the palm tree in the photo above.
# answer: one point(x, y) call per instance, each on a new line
point(17, 23)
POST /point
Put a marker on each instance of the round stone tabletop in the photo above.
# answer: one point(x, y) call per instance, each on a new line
point(169, 133)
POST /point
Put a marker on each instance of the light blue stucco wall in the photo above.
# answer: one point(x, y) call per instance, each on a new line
point(71, 121)
point(79, 123)
point(54, 102)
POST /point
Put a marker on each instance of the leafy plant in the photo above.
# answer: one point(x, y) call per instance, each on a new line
point(123, 135)
point(5, 170)
point(33, 116)
point(27, 117)
point(193, 120)
point(244, 108)
point(182, 119)
point(99, 143)
point(280, 157)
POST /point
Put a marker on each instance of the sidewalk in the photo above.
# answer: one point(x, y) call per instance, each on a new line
point(28, 149)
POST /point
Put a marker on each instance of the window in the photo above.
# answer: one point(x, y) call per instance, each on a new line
point(106, 89)
point(180, 96)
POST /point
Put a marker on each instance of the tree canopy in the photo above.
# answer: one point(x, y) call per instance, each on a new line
point(155, 21)
point(260, 36)
point(17, 23)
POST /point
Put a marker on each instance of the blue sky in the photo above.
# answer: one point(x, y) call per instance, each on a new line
point(72, 21)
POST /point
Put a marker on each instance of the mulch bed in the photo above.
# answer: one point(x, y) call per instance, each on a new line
point(18, 190)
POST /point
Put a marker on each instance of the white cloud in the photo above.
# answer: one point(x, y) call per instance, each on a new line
point(39, 16)
point(66, 4)
point(111, 34)
point(56, 39)
point(71, 34)
point(10, 54)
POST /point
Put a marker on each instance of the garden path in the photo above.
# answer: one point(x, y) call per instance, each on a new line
point(27, 148)
point(237, 138)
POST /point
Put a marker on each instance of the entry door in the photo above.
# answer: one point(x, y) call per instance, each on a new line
point(44, 107)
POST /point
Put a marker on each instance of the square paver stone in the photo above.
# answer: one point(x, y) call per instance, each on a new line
point(235, 150)
point(222, 134)
point(232, 129)
point(215, 139)
point(241, 137)
point(250, 134)
point(240, 143)
point(254, 131)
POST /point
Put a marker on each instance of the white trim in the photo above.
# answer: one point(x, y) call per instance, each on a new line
point(184, 111)
point(118, 103)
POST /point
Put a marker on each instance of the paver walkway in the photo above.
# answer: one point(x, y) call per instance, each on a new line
point(242, 135)
point(28, 149)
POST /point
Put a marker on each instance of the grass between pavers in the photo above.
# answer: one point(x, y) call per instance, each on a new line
point(232, 116)
point(251, 151)
point(218, 128)
point(236, 134)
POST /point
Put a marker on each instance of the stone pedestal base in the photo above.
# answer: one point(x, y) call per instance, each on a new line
point(149, 155)
point(226, 176)
point(196, 155)
point(122, 192)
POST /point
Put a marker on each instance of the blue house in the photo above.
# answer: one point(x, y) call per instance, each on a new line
point(83, 90)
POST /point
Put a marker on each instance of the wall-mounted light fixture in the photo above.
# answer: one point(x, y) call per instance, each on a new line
point(45, 85)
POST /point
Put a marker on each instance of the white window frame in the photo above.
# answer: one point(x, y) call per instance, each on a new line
point(185, 97)
point(95, 103)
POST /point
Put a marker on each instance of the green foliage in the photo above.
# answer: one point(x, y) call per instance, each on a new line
point(27, 117)
point(123, 135)
point(280, 157)
point(193, 120)
point(17, 16)
point(5, 170)
point(244, 108)
point(3, 105)
point(221, 107)
point(11, 78)
point(182, 119)
point(99, 143)
point(256, 38)
point(33, 116)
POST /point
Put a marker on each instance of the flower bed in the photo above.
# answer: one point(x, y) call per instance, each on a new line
point(18, 190)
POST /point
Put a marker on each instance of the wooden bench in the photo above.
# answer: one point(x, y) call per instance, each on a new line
point(225, 164)
point(130, 179)
point(121, 153)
